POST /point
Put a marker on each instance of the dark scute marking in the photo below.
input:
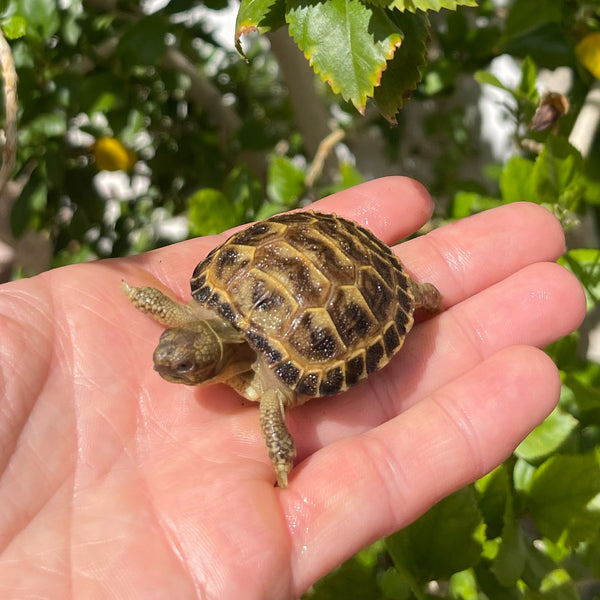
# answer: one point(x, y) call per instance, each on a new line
point(229, 256)
point(260, 344)
point(384, 267)
point(202, 265)
point(405, 301)
point(264, 298)
point(202, 294)
point(293, 218)
point(332, 382)
point(376, 293)
point(313, 341)
point(214, 300)
point(227, 311)
point(355, 369)
point(308, 384)
point(198, 281)
point(351, 321)
point(288, 372)
point(372, 241)
point(374, 355)
point(325, 255)
point(253, 234)
point(324, 345)
point(391, 340)
point(292, 271)
point(402, 321)
point(344, 239)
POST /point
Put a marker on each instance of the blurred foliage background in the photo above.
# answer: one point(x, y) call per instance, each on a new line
point(139, 125)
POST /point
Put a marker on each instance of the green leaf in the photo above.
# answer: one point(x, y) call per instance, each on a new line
point(347, 43)
point(465, 204)
point(441, 542)
point(492, 588)
point(210, 211)
point(527, 87)
point(437, 5)
point(490, 79)
point(144, 42)
point(558, 585)
point(29, 206)
point(586, 393)
point(44, 126)
point(523, 476)
point(463, 586)
point(548, 437)
point(561, 488)
point(245, 191)
point(525, 15)
point(493, 492)
point(258, 15)
point(547, 45)
point(100, 93)
point(356, 579)
point(14, 27)
point(557, 172)
point(516, 181)
point(404, 70)
point(41, 16)
point(510, 560)
point(393, 585)
point(585, 264)
point(285, 181)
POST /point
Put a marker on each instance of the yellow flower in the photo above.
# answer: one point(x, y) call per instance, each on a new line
point(588, 53)
point(112, 155)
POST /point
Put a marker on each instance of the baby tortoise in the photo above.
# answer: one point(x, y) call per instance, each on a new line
point(298, 306)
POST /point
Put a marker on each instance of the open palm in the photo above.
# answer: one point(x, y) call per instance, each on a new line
point(117, 484)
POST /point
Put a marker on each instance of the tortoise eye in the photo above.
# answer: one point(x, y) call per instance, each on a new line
point(184, 367)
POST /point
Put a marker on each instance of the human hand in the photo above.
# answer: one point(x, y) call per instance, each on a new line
point(117, 484)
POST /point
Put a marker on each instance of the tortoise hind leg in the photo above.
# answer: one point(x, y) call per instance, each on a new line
point(426, 296)
point(278, 440)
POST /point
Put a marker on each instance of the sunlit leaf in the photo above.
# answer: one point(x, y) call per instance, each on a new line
point(14, 27)
point(210, 211)
point(41, 16)
point(585, 264)
point(547, 437)
point(285, 181)
point(516, 181)
point(347, 43)
point(561, 488)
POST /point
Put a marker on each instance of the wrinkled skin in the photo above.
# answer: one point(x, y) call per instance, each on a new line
point(117, 484)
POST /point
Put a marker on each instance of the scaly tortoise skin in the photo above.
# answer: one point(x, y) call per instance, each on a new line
point(298, 306)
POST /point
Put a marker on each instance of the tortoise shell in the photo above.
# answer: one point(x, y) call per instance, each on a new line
point(320, 298)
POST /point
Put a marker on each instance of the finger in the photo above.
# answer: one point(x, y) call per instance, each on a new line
point(466, 256)
point(535, 306)
point(368, 486)
point(391, 207)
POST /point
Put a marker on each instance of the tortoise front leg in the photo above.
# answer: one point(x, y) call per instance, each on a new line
point(157, 305)
point(280, 444)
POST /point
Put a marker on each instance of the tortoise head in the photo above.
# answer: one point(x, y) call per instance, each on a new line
point(189, 355)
